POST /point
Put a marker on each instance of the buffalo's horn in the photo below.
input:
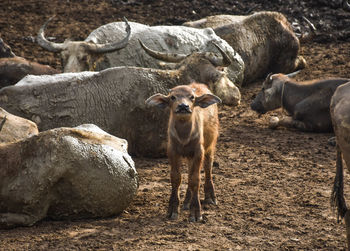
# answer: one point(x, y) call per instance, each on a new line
point(269, 76)
point(103, 48)
point(5, 50)
point(346, 5)
point(226, 61)
point(308, 36)
point(292, 74)
point(2, 123)
point(43, 42)
point(167, 57)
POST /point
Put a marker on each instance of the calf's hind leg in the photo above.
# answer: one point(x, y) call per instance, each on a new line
point(209, 191)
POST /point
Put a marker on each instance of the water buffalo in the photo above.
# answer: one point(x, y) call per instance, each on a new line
point(265, 41)
point(340, 112)
point(65, 173)
point(81, 55)
point(306, 102)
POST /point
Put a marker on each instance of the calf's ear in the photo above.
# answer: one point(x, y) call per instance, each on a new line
point(158, 100)
point(206, 100)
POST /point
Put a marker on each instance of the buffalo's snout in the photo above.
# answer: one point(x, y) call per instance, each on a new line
point(258, 107)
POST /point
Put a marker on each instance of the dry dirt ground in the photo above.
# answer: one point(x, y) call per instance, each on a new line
point(273, 186)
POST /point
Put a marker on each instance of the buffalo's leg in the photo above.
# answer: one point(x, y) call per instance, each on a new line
point(347, 224)
point(11, 220)
point(289, 122)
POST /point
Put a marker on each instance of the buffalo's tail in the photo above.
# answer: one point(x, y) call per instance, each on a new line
point(337, 197)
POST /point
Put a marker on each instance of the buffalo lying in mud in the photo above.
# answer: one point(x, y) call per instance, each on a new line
point(307, 103)
point(265, 41)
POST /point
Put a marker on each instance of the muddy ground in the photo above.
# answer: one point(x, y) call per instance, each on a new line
point(273, 186)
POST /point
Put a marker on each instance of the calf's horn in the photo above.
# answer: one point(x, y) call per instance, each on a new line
point(167, 57)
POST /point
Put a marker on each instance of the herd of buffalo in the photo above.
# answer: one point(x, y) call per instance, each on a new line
point(104, 105)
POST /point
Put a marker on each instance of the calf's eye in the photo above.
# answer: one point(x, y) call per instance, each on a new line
point(192, 97)
point(173, 98)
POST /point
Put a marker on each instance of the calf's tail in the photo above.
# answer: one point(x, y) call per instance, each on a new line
point(337, 197)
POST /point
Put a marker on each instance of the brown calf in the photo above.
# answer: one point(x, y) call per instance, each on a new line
point(192, 135)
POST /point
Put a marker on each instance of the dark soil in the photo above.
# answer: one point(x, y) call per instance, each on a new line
point(273, 186)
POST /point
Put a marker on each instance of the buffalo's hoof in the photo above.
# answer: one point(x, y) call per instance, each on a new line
point(173, 216)
point(273, 123)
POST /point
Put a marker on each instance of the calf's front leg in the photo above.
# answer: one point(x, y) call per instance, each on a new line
point(194, 183)
point(175, 178)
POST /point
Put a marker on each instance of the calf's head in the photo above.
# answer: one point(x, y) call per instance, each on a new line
point(270, 96)
point(76, 55)
point(182, 100)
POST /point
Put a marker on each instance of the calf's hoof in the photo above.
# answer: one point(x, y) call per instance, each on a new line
point(210, 201)
point(273, 123)
point(332, 141)
point(186, 206)
point(195, 218)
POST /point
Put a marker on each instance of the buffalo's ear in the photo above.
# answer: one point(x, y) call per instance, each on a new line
point(158, 100)
point(206, 100)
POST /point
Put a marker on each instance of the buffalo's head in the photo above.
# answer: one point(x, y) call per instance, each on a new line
point(75, 54)
point(204, 67)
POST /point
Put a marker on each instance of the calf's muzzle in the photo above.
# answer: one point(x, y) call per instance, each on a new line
point(183, 108)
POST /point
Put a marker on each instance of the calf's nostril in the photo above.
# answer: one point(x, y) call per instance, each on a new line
point(183, 106)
